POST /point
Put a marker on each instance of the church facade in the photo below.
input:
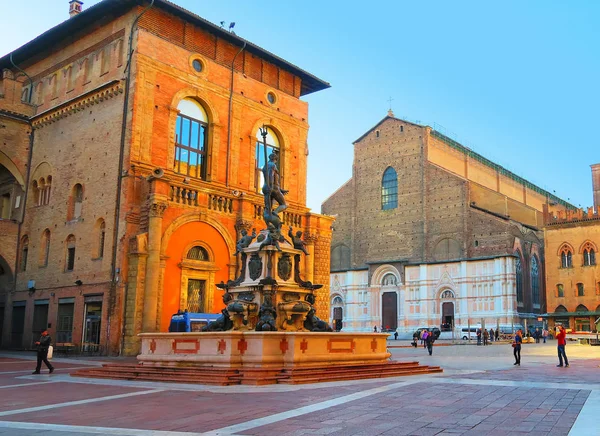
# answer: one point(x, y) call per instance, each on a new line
point(429, 233)
point(133, 164)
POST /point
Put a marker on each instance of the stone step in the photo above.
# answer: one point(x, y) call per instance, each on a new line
point(323, 378)
point(255, 376)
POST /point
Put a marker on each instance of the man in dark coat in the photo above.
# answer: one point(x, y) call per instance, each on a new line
point(42, 352)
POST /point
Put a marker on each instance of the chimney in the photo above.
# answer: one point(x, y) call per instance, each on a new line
point(75, 7)
point(596, 185)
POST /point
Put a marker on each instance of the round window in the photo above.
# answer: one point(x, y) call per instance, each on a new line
point(271, 97)
point(197, 65)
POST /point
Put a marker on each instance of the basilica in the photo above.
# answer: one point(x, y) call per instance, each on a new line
point(430, 233)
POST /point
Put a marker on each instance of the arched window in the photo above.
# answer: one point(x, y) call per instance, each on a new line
point(581, 308)
point(272, 147)
point(45, 248)
point(76, 202)
point(561, 309)
point(191, 131)
point(389, 280)
point(100, 228)
point(198, 253)
point(42, 194)
point(337, 301)
point(535, 282)
point(519, 277)
point(47, 190)
point(566, 256)
point(36, 193)
point(589, 254)
point(24, 253)
point(389, 189)
point(70, 254)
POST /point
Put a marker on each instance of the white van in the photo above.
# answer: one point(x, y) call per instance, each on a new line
point(469, 333)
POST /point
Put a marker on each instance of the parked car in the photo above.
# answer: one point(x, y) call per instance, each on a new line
point(436, 331)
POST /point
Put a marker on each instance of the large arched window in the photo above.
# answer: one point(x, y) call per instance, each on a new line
point(389, 189)
point(45, 248)
point(191, 131)
point(535, 282)
point(75, 203)
point(566, 256)
point(519, 277)
point(70, 254)
point(589, 254)
point(272, 147)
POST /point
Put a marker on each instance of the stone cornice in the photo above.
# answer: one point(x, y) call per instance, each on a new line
point(95, 96)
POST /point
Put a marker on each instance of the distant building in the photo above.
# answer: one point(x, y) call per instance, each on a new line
point(429, 233)
point(130, 160)
point(572, 272)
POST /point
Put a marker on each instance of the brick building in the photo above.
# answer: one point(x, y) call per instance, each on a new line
point(430, 233)
point(572, 271)
point(132, 143)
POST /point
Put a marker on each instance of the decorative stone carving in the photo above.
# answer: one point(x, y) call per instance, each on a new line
point(255, 266)
point(284, 267)
point(242, 224)
point(157, 209)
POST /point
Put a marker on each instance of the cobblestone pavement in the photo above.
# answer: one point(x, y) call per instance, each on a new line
point(480, 392)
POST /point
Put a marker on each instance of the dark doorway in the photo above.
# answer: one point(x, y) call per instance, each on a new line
point(91, 327)
point(64, 325)
point(447, 316)
point(40, 320)
point(337, 318)
point(17, 324)
point(389, 303)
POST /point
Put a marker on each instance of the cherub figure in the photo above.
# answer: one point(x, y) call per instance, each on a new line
point(297, 241)
point(273, 237)
point(245, 240)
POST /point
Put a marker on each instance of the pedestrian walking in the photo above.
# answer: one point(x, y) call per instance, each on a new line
point(545, 335)
point(478, 336)
point(517, 341)
point(561, 337)
point(374, 329)
point(424, 337)
point(395, 336)
point(491, 335)
point(497, 334)
point(538, 335)
point(429, 343)
point(486, 336)
point(42, 352)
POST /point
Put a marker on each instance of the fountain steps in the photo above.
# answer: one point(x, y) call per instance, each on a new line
point(255, 376)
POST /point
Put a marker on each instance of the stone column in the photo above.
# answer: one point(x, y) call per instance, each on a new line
point(157, 209)
point(309, 261)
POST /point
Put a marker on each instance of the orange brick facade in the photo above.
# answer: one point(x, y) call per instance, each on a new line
point(572, 271)
point(109, 293)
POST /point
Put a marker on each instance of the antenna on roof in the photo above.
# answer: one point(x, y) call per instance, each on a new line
point(223, 24)
point(231, 26)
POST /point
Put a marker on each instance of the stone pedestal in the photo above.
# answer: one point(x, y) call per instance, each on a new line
point(236, 349)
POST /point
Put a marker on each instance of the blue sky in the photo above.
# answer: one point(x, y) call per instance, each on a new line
point(516, 81)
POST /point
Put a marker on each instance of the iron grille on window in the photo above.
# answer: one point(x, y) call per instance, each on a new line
point(195, 299)
point(197, 253)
